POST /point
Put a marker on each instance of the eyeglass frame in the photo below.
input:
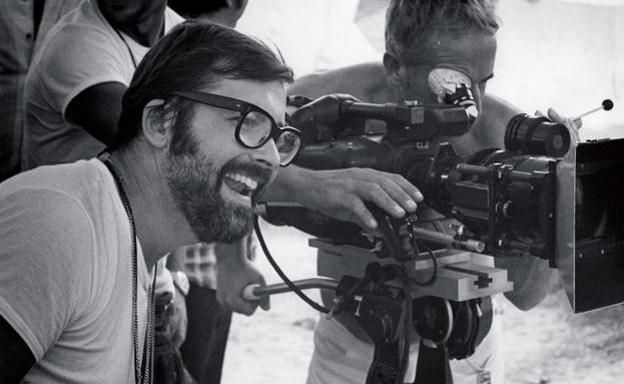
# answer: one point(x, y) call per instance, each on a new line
point(244, 108)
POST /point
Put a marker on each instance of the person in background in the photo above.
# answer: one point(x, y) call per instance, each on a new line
point(76, 80)
point(23, 24)
point(452, 39)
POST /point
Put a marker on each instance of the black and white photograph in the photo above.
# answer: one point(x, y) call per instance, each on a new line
point(311, 191)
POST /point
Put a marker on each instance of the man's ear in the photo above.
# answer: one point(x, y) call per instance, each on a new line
point(392, 66)
point(156, 124)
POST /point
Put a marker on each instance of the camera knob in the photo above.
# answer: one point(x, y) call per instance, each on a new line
point(507, 208)
point(504, 208)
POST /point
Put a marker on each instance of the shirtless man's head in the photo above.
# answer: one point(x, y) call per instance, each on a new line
point(423, 35)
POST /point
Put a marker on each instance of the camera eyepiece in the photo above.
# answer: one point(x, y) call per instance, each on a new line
point(536, 136)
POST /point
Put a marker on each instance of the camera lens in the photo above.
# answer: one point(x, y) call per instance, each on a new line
point(536, 136)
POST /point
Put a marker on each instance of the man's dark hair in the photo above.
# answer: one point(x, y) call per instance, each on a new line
point(193, 56)
point(410, 24)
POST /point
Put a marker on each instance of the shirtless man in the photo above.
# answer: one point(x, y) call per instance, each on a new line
point(421, 36)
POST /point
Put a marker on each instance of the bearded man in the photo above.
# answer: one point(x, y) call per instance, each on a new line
point(203, 135)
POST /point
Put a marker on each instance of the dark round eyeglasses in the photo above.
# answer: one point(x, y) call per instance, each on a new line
point(255, 126)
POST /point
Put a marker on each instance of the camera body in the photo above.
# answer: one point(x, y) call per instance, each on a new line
point(543, 195)
point(504, 198)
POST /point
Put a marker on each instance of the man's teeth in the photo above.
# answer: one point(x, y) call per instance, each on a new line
point(248, 181)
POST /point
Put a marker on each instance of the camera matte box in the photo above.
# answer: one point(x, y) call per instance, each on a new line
point(590, 247)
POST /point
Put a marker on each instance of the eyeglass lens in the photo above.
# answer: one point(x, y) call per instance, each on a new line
point(255, 131)
point(255, 128)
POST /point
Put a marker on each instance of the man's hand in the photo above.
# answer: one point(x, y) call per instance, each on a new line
point(235, 272)
point(342, 193)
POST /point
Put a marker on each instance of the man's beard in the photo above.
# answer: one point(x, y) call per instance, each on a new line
point(196, 186)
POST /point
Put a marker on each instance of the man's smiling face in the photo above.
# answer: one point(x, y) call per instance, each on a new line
point(214, 178)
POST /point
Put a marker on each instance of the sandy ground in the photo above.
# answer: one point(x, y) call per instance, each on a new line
point(545, 345)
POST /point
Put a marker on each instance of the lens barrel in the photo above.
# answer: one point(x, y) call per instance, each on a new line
point(536, 136)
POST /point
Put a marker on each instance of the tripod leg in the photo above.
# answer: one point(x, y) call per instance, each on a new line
point(386, 364)
point(433, 365)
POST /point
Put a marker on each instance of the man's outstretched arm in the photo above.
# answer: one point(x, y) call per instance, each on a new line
point(342, 193)
point(15, 356)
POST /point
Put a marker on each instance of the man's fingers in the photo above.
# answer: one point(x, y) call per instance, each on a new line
point(410, 189)
point(391, 192)
point(578, 123)
point(572, 124)
point(242, 306)
point(380, 197)
point(248, 309)
point(265, 303)
point(554, 115)
point(361, 215)
point(401, 194)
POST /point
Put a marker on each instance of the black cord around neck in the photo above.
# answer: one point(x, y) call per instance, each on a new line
point(143, 370)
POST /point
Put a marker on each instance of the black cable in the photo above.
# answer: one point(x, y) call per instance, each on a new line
point(281, 274)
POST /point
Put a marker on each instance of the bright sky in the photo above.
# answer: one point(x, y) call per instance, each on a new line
point(566, 54)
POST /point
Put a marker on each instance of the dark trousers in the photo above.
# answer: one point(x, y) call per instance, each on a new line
point(206, 335)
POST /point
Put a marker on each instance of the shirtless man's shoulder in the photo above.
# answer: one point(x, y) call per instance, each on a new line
point(365, 81)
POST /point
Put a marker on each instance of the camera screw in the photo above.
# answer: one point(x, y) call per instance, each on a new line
point(459, 229)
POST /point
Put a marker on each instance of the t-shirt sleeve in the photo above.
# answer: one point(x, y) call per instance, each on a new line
point(44, 264)
point(76, 58)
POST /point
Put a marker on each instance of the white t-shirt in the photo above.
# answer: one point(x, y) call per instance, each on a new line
point(66, 273)
point(80, 51)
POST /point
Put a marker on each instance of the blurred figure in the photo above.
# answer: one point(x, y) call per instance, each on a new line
point(23, 24)
point(76, 81)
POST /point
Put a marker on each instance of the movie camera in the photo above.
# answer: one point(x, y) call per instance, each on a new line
point(544, 195)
